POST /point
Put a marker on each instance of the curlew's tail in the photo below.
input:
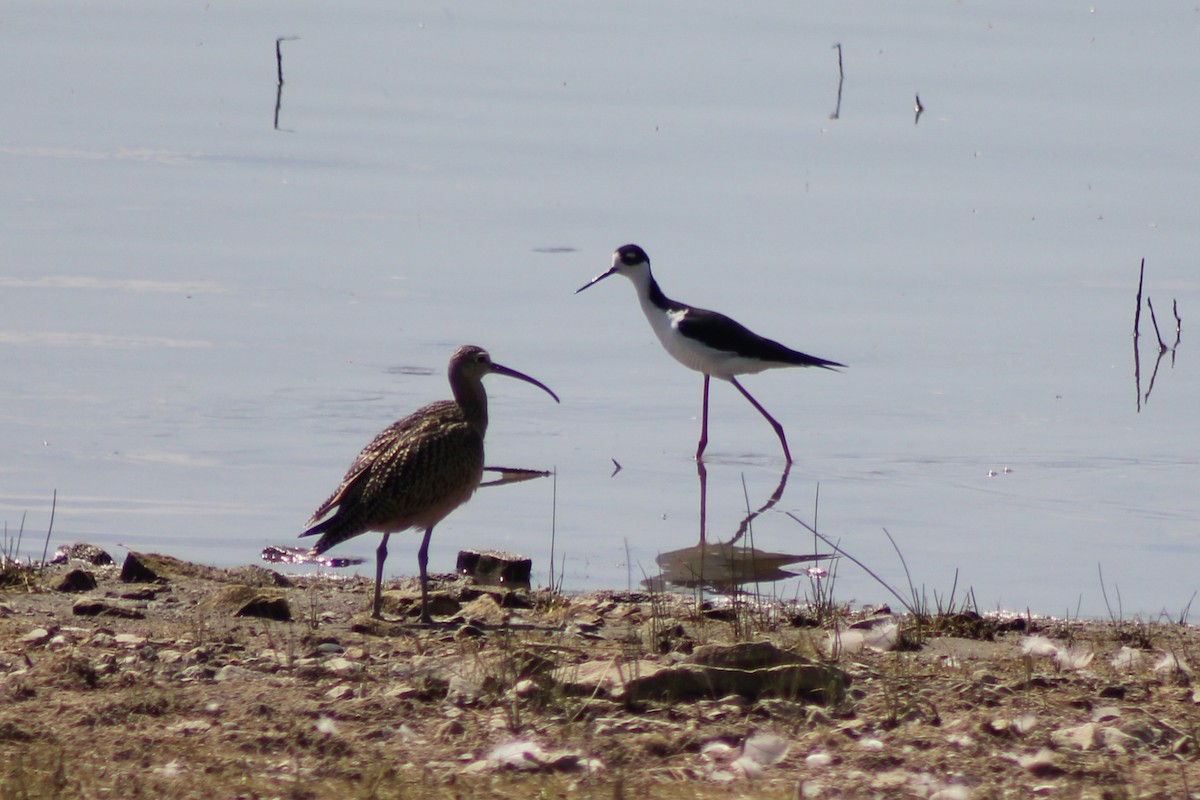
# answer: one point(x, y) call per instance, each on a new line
point(333, 530)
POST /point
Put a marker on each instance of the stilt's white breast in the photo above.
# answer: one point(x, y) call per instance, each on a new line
point(696, 355)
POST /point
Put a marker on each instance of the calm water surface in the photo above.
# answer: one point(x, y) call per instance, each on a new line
point(204, 318)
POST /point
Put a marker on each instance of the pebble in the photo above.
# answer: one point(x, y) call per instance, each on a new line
point(1080, 737)
point(231, 672)
point(343, 666)
point(340, 692)
point(36, 637)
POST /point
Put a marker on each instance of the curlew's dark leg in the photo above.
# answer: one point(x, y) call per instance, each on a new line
point(778, 428)
point(703, 422)
point(423, 563)
point(380, 557)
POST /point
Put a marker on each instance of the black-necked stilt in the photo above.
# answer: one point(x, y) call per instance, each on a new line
point(706, 341)
point(417, 470)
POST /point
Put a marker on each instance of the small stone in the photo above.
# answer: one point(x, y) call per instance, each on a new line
point(81, 551)
point(450, 729)
point(102, 608)
point(232, 672)
point(77, 580)
point(1117, 741)
point(191, 727)
point(135, 570)
point(342, 692)
point(35, 637)
point(342, 666)
point(1043, 764)
point(197, 672)
point(1080, 737)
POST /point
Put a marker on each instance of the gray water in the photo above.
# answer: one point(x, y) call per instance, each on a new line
point(204, 317)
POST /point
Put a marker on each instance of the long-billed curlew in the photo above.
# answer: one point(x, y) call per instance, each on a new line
point(417, 470)
point(706, 341)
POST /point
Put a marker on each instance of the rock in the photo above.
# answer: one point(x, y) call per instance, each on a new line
point(341, 692)
point(77, 580)
point(1145, 731)
point(450, 729)
point(816, 682)
point(137, 570)
point(81, 551)
point(343, 666)
point(1119, 742)
point(105, 608)
point(36, 637)
point(254, 575)
point(1042, 764)
point(190, 727)
point(232, 672)
point(1080, 737)
point(745, 655)
point(483, 609)
point(157, 568)
point(495, 567)
point(407, 603)
point(248, 601)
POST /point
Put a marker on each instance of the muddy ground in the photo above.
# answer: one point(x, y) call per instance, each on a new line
point(190, 682)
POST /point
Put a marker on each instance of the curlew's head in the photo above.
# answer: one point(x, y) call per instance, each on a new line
point(628, 260)
point(470, 363)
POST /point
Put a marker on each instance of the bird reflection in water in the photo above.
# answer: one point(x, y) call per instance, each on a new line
point(724, 566)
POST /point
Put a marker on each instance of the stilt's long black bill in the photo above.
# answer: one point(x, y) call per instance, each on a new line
point(596, 279)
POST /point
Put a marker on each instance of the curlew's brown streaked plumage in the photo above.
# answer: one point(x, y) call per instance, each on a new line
point(417, 470)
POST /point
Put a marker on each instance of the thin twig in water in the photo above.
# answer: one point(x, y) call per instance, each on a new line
point(1162, 346)
point(1104, 594)
point(1137, 355)
point(628, 568)
point(1137, 312)
point(20, 534)
point(50, 528)
point(553, 523)
point(837, 112)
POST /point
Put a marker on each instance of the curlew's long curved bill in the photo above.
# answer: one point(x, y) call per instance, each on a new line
point(596, 279)
point(500, 369)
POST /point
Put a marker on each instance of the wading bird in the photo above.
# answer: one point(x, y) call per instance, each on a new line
point(706, 341)
point(417, 470)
